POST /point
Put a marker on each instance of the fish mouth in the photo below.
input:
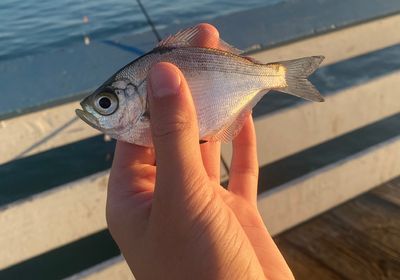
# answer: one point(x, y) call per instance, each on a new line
point(87, 118)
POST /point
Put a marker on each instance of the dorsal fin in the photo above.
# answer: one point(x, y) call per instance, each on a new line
point(189, 38)
point(222, 45)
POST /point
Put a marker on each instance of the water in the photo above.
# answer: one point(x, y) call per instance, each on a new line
point(31, 26)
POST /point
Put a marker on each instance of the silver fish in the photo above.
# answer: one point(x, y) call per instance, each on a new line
point(225, 86)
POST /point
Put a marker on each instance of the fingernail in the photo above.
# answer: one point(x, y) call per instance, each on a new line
point(164, 80)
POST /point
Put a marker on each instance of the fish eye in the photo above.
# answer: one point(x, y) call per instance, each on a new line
point(106, 103)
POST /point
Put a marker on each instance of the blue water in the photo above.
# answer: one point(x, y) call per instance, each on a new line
point(31, 26)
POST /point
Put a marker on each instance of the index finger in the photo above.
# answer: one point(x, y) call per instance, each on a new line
point(244, 167)
point(127, 155)
point(208, 36)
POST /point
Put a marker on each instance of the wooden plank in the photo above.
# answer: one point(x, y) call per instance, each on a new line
point(347, 252)
point(264, 27)
point(35, 225)
point(40, 131)
point(389, 191)
point(303, 266)
point(312, 194)
point(375, 218)
point(329, 152)
point(65, 261)
point(52, 219)
point(373, 36)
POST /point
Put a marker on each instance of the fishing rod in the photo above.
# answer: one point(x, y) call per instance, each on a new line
point(155, 32)
point(149, 21)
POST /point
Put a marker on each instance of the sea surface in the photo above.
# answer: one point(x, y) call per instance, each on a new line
point(31, 26)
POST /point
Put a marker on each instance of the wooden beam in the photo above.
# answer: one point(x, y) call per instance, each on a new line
point(52, 219)
point(340, 44)
point(312, 194)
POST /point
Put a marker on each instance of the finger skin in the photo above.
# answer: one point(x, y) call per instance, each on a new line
point(244, 166)
point(127, 154)
point(132, 169)
point(208, 37)
point(210, 153)
point(175, 133)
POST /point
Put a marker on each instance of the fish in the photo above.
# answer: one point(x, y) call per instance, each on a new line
point(225, 86)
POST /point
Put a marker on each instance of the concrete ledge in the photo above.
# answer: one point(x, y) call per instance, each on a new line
point(115, 268)
point(41, 131)
point(308, 196)
point(64, 261)
point(52, 219)
point(340, 44)
point(53, 168)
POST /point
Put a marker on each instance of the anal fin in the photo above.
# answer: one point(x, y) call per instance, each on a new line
point(230, 131)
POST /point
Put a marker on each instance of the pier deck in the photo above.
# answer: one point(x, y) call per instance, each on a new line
point(359, 239)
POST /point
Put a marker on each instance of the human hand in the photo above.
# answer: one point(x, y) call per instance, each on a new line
point(166, 208)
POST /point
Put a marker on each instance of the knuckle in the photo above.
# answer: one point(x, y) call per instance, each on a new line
point(244, 170)
point(178, 125)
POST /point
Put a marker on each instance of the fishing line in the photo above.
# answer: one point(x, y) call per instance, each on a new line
point(149, 21)
point(225, 165)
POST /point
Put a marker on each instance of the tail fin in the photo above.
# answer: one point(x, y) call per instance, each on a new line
point(297, 71)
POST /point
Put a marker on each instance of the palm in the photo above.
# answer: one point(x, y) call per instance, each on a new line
point(133, 199)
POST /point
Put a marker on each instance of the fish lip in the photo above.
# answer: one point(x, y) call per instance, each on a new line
point(87, 118)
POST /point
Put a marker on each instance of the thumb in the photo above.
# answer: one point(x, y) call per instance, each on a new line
point(174, 129)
